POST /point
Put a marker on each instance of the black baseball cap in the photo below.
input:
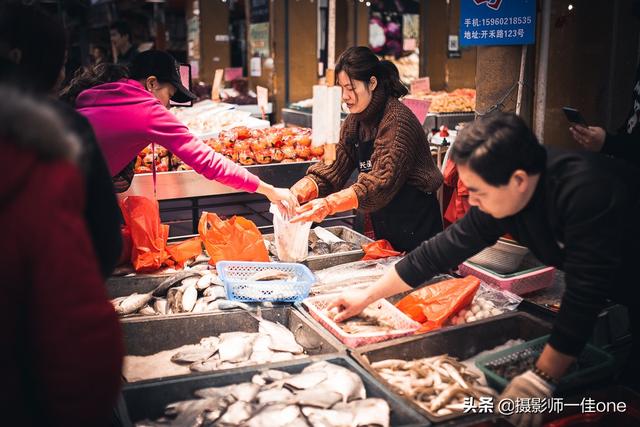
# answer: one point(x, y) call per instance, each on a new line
point(164, 67)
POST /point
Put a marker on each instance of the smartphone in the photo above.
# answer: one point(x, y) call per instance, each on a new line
point(574, 116)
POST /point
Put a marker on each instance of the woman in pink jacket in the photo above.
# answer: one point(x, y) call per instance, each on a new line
point(128, 111)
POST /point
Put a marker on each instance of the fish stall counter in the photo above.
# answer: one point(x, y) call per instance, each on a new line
point(190, 184)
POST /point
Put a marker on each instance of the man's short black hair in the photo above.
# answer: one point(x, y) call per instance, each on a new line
point(122, 28)
point(496, 146)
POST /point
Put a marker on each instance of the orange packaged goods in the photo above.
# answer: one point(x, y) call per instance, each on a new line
point(434, 304)
point(235, 239)
point(148, 235)
point(241, 145)
point(378, 249)
point(183, 251)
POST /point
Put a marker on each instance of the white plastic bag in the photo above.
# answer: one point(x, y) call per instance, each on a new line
point(292, 240)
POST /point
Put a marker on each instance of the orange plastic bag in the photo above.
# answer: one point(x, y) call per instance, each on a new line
point(434, 304)
point(183, 251)
point(148, 235)
point(235, 239)
point(378, 249)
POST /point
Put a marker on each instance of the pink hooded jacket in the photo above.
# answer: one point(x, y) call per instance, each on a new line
point(126, 118)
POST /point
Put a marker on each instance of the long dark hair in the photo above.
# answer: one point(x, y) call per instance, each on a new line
point(88, 77)
point(360, 63)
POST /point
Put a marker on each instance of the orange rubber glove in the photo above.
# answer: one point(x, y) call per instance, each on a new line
point(306, 189)
point(317, 210)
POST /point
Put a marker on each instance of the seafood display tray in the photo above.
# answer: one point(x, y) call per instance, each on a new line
point(238, 282)
point(118, 286)
point(148, 399)
point(320, 262)
point(401, 323)
point(148, 336)
point(595, 365)
point(463, 342)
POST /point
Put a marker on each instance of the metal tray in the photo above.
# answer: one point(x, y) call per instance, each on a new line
point(320, 262)
point(118, 286)
point(462, 341)
point(150, 335)
point(147, 400)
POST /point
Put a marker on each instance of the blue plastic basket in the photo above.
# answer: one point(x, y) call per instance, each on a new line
point(239, 286)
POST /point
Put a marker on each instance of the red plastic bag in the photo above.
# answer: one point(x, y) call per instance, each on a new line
point(127, 244)
point(183, 251)
point(378, 249)
point(235, 239)
point(148, 235)
point(433, 305)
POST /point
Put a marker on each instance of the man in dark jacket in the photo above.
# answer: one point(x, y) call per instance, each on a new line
point(34, 61)
point(574, 210)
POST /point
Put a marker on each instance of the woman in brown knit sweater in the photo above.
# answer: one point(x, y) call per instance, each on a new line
point(383, 139)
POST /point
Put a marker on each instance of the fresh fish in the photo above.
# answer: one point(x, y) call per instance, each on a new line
point(282, 339)
point(212, 364)
point(303, 380)
point(160, 306)
point(271, 274)
point(210, 342)
point(189, 298)
point(163, 287)
point(244, 392)
point(272, 375)
point(341, 247)
point(320, 247)
point(116, 301)
point(236, 346)
point(190, 281)
point(228, 305)
point(278, 415)
point(187, 413)
point(215, 292)
point(281, 356)
point(261, 353)
point(173, 297)
point(200, 306)
point(316, 398)
point(274, 395)
point(328, 417)
point(133, 303)
point(147, 311)
point(204, 282)
point(366, 412)
point(237, 413)
point(197, 354)
point(341, 380)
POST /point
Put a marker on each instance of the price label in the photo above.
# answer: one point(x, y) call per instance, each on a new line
point(217, 81)
point(421, 85)
point(419, 107)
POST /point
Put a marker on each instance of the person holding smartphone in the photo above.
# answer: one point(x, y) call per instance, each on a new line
point(625, 143)
point(128, 111)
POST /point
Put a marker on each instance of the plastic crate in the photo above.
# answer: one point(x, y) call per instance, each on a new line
point(236, 277)
point(402, 324)
point(520, 283)
point(593, 365)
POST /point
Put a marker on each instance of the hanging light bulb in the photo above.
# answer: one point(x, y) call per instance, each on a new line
point(570, 7)
point(368, 4)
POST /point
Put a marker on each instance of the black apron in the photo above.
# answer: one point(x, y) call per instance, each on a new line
point(410, 218)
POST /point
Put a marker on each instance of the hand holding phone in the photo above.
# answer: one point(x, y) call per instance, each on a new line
point(574, 116)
